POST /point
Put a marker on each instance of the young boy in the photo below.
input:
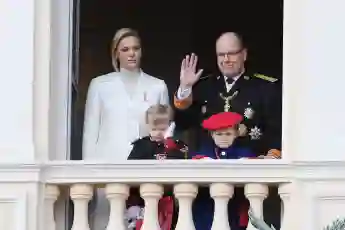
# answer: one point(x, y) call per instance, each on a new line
point(224, 129)
point(158, 145)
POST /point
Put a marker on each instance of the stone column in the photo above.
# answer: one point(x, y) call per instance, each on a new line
point(256, 194)
point(50, 196)
point(81, 194)
point(151, 193)
point(284, 191)
point(221, 194)
point(185, 194)
point(117, 195)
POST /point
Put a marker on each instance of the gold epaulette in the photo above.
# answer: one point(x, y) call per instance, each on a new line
point(266, 78)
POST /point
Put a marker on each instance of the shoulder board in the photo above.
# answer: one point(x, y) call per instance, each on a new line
point(266, 78)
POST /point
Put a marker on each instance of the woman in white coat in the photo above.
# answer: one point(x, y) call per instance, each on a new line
point(115, 111)
point(117, 102)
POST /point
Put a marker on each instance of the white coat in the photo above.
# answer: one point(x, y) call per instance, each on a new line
point(113, 119)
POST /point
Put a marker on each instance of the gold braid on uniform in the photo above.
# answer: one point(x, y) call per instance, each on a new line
point(264, 77)
point(277, 154)
point(183, 103)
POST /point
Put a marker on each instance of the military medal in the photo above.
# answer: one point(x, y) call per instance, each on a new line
point(248, 113)
point(204, 108)
point(184, 150)
point(227, 100)
point(242, 130)
point(161, 156)
point(255, 133)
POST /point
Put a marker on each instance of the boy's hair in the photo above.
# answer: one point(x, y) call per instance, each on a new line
point(157, 114)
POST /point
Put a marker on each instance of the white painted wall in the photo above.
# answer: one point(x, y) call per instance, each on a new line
point(314, 115)
point(16, 77)
point(20, 200)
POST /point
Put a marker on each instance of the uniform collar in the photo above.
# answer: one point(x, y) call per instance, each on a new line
point(235, 78)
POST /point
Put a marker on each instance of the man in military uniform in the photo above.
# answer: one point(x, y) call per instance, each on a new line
point(257, 97)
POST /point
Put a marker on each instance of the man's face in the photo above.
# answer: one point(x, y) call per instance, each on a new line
point(231, 55)
point(225, 137)
point(157, 131)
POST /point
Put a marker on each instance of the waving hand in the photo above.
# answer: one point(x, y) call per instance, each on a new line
point(188, 74)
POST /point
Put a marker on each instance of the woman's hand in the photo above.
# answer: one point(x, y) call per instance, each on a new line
point(188, 74)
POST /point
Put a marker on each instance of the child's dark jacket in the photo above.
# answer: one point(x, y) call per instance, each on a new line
point(146, 149)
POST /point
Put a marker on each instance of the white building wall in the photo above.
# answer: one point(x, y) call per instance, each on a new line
point(17, 74)
point(313, 105)
point(314, 49)
point(20, 194)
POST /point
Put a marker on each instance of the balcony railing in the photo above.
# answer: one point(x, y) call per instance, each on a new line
point(151, 176)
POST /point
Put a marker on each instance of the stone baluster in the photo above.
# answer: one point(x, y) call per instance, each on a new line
point(151, 193)
point(51, 194)
point(256, 194)
point(117, 195)
point(185, 194)
point(221, 194)
point(81, 194)
point(284, 191)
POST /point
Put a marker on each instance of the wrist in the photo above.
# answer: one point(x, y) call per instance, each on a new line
point(185, 86)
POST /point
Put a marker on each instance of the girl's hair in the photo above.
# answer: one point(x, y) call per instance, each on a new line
point(118, 37)
point(158, 114)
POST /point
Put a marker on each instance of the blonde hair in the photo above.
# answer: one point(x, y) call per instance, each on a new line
point(158, 113)
point(118, 37)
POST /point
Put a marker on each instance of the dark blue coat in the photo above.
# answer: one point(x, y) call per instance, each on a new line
point(203, 206)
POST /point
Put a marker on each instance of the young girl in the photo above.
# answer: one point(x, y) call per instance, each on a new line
point(159, 145)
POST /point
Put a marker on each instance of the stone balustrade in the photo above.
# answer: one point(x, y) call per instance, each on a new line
point(39, 196)
point(220, 177)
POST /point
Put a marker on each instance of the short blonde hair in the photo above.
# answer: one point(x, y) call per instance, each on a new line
point(158, 113)
point(118, 37)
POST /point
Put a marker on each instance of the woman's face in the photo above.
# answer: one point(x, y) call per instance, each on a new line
point(129, 53)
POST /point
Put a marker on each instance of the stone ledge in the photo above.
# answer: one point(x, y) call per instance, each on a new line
point(168, 172)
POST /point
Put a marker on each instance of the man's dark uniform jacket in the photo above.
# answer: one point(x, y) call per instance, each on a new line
point(255, 96)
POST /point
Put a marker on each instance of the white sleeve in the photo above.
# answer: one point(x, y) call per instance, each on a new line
point(183, 94)
point(164, 95)
point(91, 122)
